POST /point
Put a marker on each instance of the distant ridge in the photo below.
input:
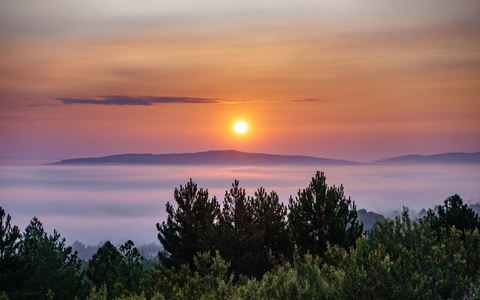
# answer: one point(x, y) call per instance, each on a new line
point(235, 158)
point(214, 157)
point(445, 158)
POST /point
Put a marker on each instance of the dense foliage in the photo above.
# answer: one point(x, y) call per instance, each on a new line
point(188, 228)
point(249, 249)
point(37, 264)
point(321, 215)
point(11, 262)
point(453, 213)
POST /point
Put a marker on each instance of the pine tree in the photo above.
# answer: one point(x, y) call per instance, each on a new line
point(11, 263)
point(270, 217)
point(241, 237)
point(189, 228)
point(321, 214)
point(51, 264)
point(104, 267)
point(131, 266)
point(453, 213)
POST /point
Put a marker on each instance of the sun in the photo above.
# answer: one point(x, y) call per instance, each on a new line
point(240, 127)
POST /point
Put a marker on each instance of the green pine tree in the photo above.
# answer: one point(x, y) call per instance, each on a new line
point(321, 214)
point(189, 228)
point(453, 213)
point(52, 265)
point(270, 216)
point(12, 275)
point(131, 266)
point(240, 236)
point(104, 267)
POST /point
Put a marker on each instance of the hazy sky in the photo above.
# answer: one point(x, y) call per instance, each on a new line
point(359, 80)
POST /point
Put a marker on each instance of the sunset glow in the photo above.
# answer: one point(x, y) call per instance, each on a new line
point(327, 79)
point(241, 127)
point(147, 135)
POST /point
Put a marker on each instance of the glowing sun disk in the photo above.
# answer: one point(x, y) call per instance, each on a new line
point(240, 127)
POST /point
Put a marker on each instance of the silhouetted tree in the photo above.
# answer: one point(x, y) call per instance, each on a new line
point(270, 217)
point(104, 267)
point(131, 265)
point(52, 265)
point(189, 228)
point(321, 214)
point(241, 237)
point(12, 275)
point(453, 213)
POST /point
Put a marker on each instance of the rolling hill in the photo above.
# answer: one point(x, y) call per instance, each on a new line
point(445, 158)
point(221, 157)
point(235, 158)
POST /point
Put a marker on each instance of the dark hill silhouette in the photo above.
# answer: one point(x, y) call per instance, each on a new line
point(368, 218)
point(446, 158)
point(235, 158)
point(221, 157)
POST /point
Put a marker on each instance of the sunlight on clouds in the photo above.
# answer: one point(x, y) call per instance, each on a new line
point(377, 66)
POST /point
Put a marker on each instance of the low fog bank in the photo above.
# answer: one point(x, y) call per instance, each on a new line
point(117, 203)
point(86, 252)
point(368, 218)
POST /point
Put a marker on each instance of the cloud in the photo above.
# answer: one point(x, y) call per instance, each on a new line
point(127, 100)
point(149, 100)
point(40, 105)
point(305, 100)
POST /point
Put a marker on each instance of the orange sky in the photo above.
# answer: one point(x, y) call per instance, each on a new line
point(381, 79)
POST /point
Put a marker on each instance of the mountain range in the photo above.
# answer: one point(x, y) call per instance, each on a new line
point(232, 157)
point(445, 158)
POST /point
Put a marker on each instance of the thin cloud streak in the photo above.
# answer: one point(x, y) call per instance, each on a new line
point(40, 105)
point(126, 100)
point(149, 100)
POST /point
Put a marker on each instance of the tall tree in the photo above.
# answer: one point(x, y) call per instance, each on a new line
point(131, 265)
point(270, 217)
point(241, 237)
point(321, 214)
point(189, 228)
point(53, 266)
point(104, 267)
point(11, 263)
point(453, 213)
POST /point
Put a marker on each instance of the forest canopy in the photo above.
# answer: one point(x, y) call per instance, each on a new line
point(257, 247)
